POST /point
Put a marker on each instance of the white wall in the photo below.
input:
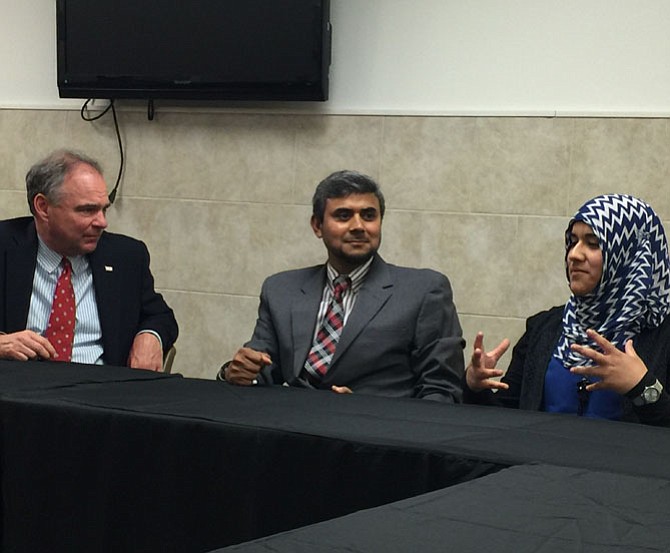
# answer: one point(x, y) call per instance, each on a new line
point(479, 57)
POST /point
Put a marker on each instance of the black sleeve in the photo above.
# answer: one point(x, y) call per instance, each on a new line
point(653, 347)
point(525, 374)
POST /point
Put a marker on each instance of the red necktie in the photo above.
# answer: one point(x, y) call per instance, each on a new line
point(60, 331)
point(323, 349)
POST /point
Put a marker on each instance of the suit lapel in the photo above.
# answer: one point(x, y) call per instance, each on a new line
point(304, 310)
point(19, 273)
point(375, 292)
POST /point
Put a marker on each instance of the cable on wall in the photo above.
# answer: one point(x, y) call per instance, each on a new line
point(86, 117)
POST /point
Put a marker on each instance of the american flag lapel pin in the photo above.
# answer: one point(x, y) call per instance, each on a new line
point(109, 268)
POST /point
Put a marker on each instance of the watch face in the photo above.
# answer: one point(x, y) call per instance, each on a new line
point(651, 395)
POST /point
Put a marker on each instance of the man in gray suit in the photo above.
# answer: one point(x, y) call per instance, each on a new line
point(393, 332)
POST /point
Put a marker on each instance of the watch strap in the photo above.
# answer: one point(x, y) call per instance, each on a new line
point(636, 391)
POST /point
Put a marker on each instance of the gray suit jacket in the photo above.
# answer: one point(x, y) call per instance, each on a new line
point(125, 295)
point(402, 339)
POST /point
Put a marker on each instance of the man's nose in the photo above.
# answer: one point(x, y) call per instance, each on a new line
point(356, 222)
point(100, 220)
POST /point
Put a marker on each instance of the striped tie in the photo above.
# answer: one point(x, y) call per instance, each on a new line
point(323, 349)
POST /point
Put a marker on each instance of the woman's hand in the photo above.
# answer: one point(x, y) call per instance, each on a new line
point(619, 371)
point(481, 373)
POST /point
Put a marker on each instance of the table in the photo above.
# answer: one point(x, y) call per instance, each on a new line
point(523, 509)
point(111, 459)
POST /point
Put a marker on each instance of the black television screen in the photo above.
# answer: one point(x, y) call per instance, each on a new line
point(195, 49)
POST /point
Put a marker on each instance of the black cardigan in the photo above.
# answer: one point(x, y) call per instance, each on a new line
point(532, 353)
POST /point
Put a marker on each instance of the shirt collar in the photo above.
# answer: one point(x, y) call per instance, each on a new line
point(357, 276)
point(50, 261)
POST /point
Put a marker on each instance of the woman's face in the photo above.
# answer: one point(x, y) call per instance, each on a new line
point(584, 259)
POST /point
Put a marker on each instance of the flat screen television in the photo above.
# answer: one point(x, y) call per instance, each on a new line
point(194, 49)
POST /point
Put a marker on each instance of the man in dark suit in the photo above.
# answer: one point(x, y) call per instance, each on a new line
point(120, 319)
point(393, 332)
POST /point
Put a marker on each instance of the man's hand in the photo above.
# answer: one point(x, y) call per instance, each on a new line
point(619, 371)
point(244, 368)
point(481, 372)
point(146, 353)
point(341, 389)
point(25, 345)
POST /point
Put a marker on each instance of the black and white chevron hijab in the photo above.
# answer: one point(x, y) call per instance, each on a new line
point(634, 292)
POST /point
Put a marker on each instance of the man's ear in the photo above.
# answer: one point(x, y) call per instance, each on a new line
point(41, 206)
point(316, 225)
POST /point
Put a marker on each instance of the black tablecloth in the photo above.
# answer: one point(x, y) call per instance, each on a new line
point(524, 509)
point(109, 459)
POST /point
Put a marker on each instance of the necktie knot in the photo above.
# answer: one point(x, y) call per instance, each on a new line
point(67, 268)
point(340, 286)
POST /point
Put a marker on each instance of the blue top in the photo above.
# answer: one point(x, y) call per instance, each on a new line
point(560, 395)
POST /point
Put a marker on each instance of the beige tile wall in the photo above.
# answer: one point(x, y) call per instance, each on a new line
point(223, 200)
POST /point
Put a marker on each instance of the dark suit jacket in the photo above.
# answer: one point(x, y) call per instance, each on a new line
point(530, 360)
point(126, 299)
point(402, 339)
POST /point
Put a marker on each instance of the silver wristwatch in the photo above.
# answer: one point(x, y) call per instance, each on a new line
point(650, 394)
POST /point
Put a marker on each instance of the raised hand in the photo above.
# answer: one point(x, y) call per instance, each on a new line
point(481, 373)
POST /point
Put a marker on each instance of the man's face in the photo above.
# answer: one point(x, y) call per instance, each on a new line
point(74, 223)
point(351, 230)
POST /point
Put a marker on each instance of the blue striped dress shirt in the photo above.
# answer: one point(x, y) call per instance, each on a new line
point(87, 346)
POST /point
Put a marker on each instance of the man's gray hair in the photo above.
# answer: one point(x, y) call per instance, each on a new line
point(47, 176)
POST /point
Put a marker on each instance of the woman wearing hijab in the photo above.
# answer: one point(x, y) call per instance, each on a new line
point(606, 353)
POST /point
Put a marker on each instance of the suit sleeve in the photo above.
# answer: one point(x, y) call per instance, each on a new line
point(265, 339)
point(155, 314)
point(437, 357)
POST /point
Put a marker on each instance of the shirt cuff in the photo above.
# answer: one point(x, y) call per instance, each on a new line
point(221, 375)
point(147, 331)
